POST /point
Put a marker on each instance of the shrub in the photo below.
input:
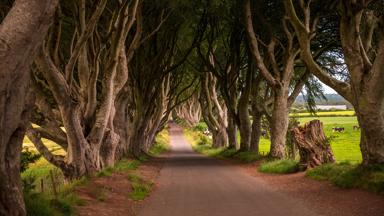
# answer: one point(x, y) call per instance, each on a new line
point(201, 126)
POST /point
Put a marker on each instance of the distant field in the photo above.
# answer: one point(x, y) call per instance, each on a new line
point(41, 167)
point(326, 113)
point(344, 145)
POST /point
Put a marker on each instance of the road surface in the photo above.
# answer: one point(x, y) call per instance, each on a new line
point(191, 184)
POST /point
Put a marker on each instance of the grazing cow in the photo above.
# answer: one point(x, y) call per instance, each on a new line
point(355, 127)
point(338, 129)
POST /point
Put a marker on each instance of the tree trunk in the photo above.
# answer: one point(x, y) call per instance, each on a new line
point(232, 132)
point(256, 132)
point(313, 145)
point(21, 32)
point(279, 124)
point(371, 122)
point(243, 110)
point(220, 138)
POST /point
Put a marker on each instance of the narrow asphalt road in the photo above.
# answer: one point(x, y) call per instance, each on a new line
point(191, 184)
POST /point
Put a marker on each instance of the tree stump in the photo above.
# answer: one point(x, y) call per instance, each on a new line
point(314, 148)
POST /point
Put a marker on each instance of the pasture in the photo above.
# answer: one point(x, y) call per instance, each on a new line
point(325, 113)
point(345, 145)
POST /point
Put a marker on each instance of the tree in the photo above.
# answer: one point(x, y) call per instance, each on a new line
point(98, 49)
point(362, 43)
point(276, 60)
point(21, 33)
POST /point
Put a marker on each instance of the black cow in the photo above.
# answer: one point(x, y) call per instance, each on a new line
point(338, 129)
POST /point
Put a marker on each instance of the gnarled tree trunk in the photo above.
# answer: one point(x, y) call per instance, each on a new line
point(362, 41)
point(21, 32)
point(313, 146)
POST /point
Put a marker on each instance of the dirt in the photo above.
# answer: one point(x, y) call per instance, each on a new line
point(109, 195)
point(189, 184)
point(324, 197)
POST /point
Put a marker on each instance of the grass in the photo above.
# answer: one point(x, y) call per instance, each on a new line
point(41, 204)
point(162, 142)
point(38, 203)
point(345, 145)
point(326, 113)
point(202, 144)
point(346, 175)
point(140, 188)
point(279, 166)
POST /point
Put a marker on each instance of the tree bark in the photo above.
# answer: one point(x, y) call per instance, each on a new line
point(313, 146)
point(232, 132)
point(21, 32)
point(243, 110)
point(256, 132)
point(279, 123)
point(364, 89)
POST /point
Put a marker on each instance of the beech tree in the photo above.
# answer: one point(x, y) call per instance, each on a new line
point(223, 52)
point(362, 43)
point(21, 33)
point(275, 55)
point(190, 110)
point(214, 111)
point(97, 50)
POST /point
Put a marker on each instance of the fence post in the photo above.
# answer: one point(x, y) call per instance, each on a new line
point(53, 184)
point(42, 185)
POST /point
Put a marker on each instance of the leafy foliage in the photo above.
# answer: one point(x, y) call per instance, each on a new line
point(26, 158)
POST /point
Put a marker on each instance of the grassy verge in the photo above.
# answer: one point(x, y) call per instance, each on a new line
point(279, 166)
point(42, 200)
point(202, 144)
point(140, 187)
point(58, 204)
point(346, 175)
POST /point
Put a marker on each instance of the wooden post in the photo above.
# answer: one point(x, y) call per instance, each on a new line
point(42, 185)
point(53, 184)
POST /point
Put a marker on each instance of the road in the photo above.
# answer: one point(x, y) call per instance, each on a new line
point(191, 184)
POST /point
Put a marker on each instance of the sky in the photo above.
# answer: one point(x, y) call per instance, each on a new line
point(328, 90)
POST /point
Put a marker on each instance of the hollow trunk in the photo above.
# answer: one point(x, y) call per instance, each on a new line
point(256, 132)
point(279, 124)
point(313, 146)
point(21, 32)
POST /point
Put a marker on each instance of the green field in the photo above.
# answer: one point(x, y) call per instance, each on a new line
point(345, 145)
point(326, 113)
